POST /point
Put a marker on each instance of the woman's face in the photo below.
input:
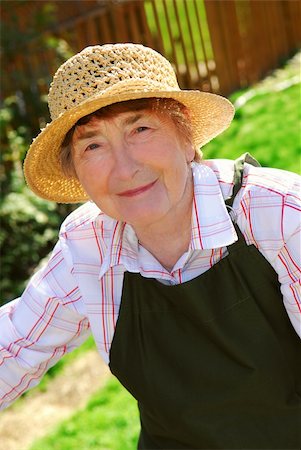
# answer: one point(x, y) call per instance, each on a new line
point(133, 166)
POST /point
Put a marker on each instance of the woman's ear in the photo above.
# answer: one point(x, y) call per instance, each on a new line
point(189, 152)
point(189, 147)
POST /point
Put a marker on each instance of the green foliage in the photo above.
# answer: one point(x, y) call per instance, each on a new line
point(22, 85)
point(15, 138)
point(28, 231)
point(109, 422)
point(35, 24)
point(29, 225)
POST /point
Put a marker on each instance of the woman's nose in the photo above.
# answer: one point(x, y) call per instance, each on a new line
point(125, 165)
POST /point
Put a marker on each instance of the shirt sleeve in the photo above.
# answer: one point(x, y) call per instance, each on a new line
point(288, 262)
point(270, 218)
point(37, 329)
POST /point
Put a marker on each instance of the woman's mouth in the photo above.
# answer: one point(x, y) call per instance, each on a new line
point(137, 191)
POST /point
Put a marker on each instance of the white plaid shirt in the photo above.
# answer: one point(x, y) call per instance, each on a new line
point(79, 290)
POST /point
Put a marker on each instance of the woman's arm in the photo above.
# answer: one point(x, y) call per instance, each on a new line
point(37, 329)
point(269, 214)
point(288, 266)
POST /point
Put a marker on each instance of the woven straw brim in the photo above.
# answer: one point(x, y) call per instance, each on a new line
point(210, 114)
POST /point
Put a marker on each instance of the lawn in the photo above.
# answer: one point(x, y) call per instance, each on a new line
point(268, 127)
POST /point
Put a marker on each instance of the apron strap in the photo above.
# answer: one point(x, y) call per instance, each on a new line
point(238, 174)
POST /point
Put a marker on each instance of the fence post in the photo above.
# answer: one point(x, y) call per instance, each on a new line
point(225, 39)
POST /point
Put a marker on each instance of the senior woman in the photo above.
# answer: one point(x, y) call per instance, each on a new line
point(184, 270)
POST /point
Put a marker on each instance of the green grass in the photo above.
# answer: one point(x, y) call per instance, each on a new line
point(109, 422)
point(268, 127)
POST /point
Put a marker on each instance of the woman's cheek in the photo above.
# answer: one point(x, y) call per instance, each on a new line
point(158, 158)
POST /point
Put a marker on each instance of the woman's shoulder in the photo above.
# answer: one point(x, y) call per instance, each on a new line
point(81, 218)
point(85, 219)
point(222, 168)
point(256, 178)
point(273, 180)
point(268, 207)
point(85, 237)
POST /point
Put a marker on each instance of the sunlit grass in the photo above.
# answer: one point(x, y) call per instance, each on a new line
point(268, 127)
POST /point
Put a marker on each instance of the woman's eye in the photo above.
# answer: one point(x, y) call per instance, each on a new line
point(92, 146)
point(141, 129)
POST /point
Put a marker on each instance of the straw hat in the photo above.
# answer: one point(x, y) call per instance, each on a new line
point(99, 76)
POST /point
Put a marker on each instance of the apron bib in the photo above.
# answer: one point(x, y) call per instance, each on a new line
point(214, 363)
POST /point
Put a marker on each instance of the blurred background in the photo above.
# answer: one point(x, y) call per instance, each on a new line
point(247, 50)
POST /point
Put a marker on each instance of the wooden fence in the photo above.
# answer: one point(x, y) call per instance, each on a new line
point(215, 45)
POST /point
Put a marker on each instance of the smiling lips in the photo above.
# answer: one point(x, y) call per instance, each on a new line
point(137, 191)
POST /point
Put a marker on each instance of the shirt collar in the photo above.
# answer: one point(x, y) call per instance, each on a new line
point(211, 224)
point(122, 246)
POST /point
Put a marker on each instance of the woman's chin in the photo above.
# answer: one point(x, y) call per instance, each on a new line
point(144, 216)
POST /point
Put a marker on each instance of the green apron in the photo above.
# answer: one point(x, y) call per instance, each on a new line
point(214, 363)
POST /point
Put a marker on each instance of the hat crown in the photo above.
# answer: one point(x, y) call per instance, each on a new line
point(115, 68)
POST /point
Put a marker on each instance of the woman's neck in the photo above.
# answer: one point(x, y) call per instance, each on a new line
point(170, 238)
